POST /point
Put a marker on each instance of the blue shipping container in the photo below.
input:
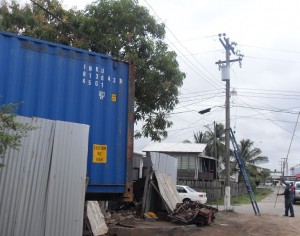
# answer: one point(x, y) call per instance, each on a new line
point(63, 83)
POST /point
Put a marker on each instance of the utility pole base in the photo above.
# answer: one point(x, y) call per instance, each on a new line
point(227, 196)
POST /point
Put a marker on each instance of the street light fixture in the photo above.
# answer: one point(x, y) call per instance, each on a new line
point(204, 111)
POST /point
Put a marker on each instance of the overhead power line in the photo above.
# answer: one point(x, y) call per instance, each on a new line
point(268, 109)
point(270, 49)
point(265, 116)
point(269, 90)
point(272, 59)
point(191, 65)
point(199, 38)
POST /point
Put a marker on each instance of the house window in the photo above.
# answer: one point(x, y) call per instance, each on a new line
point(186, 162)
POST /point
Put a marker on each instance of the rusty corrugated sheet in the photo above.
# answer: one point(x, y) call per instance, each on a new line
point(128, 193)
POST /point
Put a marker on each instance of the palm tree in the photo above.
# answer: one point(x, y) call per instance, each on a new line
point(199, 137)
point(252, 157)
point(215, 142)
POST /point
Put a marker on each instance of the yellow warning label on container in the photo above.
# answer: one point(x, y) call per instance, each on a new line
point(114, 97)
point(99, 153)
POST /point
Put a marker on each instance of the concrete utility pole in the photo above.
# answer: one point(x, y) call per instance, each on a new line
point(225, 69)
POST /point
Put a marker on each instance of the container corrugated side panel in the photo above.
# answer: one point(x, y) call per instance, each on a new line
point(23, 182)
point(67, 179)
point(63, 83)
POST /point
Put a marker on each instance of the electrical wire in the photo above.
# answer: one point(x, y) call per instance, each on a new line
point(197, 71)
point(271, 59)
point(286, 159)
point(266, 117)
point(269, 49)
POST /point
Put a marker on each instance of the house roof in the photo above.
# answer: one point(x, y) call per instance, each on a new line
point(175, 147)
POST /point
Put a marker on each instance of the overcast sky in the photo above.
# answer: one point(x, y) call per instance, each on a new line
point(266, 106)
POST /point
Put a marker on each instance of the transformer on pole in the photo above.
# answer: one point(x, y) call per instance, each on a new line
point(225, 69)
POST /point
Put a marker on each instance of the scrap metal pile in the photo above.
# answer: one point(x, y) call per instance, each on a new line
point(193, 213)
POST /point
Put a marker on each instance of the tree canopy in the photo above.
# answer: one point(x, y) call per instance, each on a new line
point(215, 140)
point(252, 157)
point(120, 28)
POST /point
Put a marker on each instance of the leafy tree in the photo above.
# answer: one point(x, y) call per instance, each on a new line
point(263, 175)
point(120, 28)
point(252, 157)
point(186, 141)
point(11, 131)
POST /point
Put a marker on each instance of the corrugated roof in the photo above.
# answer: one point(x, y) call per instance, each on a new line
point(175, 147)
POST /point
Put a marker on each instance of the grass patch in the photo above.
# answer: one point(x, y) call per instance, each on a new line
point(244, 198)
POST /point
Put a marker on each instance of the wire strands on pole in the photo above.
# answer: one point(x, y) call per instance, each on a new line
point(292, 138)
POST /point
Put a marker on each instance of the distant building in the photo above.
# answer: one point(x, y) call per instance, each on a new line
point(138, 159)
point(295, 170)
point(276, 176)
point(192, 163)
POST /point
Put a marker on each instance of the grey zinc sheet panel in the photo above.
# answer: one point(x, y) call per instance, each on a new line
point(23, 181)
point(175, 147)
point(43, 183)
point(163, 163)
point(66, 193)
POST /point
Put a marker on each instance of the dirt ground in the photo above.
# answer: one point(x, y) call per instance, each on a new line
point(243, 221)
point(240, 221)
point(226, 223)
point(233, 224)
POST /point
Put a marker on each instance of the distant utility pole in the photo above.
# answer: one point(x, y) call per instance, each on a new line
point(286, 170)
point(225, 69)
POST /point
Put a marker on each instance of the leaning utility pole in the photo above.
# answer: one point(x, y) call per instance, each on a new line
point(225, 69)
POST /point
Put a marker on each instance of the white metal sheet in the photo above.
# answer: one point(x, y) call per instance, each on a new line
point(167, 190)
point(96, 218)
point(176, 147)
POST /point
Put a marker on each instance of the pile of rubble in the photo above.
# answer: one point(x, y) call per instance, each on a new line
point(193, 213)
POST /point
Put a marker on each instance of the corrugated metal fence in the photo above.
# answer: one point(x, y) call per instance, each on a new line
point(43, 183)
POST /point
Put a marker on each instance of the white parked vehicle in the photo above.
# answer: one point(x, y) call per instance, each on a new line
point(188, 194)
point(297, 191)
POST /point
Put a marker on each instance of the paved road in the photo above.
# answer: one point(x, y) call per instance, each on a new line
point(272, 204)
